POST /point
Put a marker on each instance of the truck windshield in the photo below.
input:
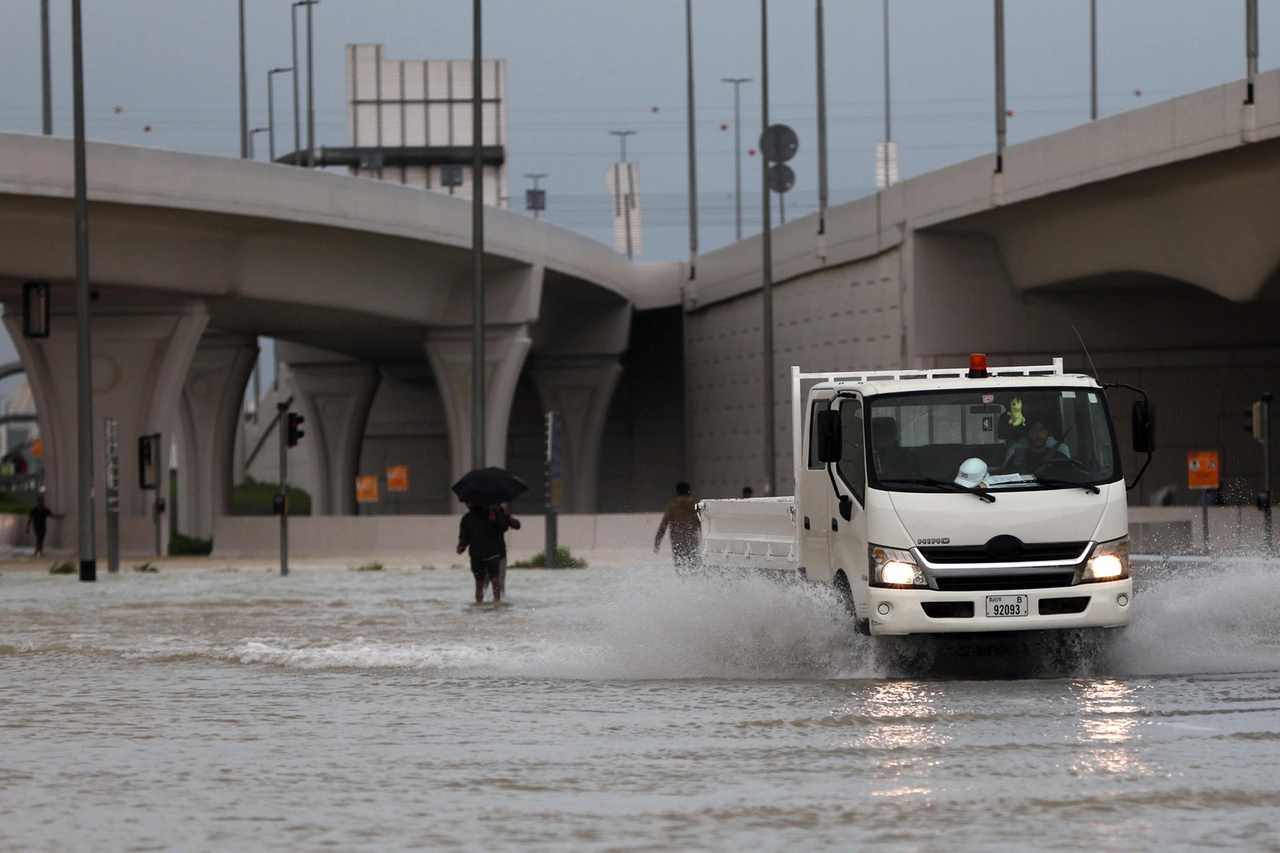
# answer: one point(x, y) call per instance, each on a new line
point(996, 439)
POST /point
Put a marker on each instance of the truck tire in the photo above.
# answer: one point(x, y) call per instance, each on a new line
point(843, 591)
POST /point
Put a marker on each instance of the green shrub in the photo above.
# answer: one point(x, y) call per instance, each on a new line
point(254, 498)
point(370, 567)
point(189, 546)
point(62, 569)
point(146, 568)
point(12, 504)
point(564, 560)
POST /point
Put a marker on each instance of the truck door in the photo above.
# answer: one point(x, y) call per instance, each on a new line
point(847, 545)
point(813, 496)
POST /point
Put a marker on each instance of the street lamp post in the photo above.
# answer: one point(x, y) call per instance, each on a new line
point(766, 266)
point(1000, 107)
point(737, 150)
point(246, 143)
point(271, 110)
point(46, 74)
point(888, 125)
point(693, 142)
point(477, 241)
point(84, 352)
point(1251, 45)
point(822, 122)
point(311, 100)
point(1093, 60)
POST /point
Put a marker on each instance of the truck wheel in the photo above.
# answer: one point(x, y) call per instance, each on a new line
point(844, 591)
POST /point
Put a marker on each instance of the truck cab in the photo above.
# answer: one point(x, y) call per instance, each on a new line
point(943, 501)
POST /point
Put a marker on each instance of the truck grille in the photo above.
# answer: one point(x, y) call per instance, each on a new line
point(1041, 580)
point(950, 555)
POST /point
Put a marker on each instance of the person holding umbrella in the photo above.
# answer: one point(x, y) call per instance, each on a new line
point(483, 528)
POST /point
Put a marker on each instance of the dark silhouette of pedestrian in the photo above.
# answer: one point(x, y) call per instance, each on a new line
point(681, 516)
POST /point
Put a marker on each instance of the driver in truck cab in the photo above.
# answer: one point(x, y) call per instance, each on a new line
point(1036, 449)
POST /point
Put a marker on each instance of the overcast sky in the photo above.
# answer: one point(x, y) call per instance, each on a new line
point(580, 68)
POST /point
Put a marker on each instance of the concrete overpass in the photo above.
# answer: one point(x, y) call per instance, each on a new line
point(193, 257)
point(1156, 233)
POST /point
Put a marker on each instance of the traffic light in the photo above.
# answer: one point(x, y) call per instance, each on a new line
point(295, 421)
point(1255, 421)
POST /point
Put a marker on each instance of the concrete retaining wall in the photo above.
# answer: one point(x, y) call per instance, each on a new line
point(411, 535)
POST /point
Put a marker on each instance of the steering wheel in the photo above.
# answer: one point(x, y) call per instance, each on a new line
point(1071, 463)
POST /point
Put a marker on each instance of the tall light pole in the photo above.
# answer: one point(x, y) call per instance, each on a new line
point(1000, 107)
point(693, 143)
point(271, 110)
point(46, 74)
point(1251, 45)
point(477, 242)
point(1093, 60)
point(311, 99)
point(617, 189)
point(766, 266)
point(246, 144)
point(737, 150)
point(822, 121)
point(84, 352)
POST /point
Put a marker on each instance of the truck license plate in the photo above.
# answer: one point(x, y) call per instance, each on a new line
point(1008, 605)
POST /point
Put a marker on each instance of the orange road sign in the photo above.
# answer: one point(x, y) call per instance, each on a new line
point(37, 447)
point(367, 490)
point(397, 478)
point(1202, 469)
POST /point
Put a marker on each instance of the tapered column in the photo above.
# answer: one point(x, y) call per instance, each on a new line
point(580, 388)
point(209, 412)
point(449, 351)
point(334, 396)
point(140, 361)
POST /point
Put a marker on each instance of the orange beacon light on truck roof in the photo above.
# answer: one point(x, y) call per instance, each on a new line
point(978, 365)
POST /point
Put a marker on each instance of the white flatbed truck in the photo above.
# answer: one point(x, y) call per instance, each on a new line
point(949, 501)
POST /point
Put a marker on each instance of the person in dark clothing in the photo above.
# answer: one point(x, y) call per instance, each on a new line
point(1037, 452)
point(38, 520)
point(682, 517)
point(483, 530)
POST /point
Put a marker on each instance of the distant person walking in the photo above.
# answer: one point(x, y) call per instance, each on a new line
point(38, 520)
point(682, 517)
point(483, 530)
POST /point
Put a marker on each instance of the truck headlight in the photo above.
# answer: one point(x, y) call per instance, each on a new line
point(1109, 561)
point(895, 568)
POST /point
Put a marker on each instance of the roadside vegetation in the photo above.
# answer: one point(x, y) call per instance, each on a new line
point(564, 560)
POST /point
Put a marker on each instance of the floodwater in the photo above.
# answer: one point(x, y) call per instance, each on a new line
point(613, 709)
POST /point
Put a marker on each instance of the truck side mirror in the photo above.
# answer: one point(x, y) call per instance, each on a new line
point(829, 434)
point(1144, 426)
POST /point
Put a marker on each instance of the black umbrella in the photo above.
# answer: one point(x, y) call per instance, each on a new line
point(489, 486)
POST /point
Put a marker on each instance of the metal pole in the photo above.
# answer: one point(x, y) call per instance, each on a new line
point(257, 384)
point(693, 158)
point(822, 123)
point(1251, 48)
point(1093, 60)
point(1269, 541)
point(297, 117)
point(282, 424)
point(112, 471)
point(737, 150)
point(477, 242)
point(888, 128)
point(46, 73)
point(84, 352)
point(1000, 108)
point(624, 200)
point(245, 144)
point(311, 99)
point(766, 266)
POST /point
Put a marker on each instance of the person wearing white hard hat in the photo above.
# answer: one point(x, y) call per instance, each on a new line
point(973, 474)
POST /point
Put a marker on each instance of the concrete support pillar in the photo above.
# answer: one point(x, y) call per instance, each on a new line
point(449, 351)
point(140, 360)
point(209, 414)
point(334, 397)
point(581, 388)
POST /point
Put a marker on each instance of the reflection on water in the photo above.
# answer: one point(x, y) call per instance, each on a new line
point(1108, 719)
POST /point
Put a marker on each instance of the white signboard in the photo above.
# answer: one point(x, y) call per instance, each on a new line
point(623, 181)
point(886, 164)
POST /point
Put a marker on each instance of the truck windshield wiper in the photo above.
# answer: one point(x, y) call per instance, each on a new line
point(1094, 490)
point(930, 481)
